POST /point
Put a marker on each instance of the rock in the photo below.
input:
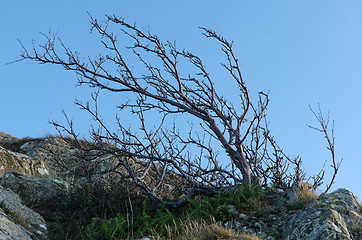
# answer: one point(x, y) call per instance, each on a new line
point(10, 230)
point(18, 221)
point(20, 163)
point(66, 162)
point(40, 194)
point(243, 216)
point(317, 224)
point(50, 151)
point(46, 149)
point(334, 216)
point(348, 206)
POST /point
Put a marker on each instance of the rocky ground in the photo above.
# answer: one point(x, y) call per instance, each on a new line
point(35, 189)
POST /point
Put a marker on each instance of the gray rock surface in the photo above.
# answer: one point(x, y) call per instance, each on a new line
point(41, 194)
point(18, 221)
point(334, 216)
point(318, 223)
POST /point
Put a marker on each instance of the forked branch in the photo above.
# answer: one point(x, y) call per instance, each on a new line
point(323, 123)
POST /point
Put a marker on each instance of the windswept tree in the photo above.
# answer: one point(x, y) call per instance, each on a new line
point(168, 82)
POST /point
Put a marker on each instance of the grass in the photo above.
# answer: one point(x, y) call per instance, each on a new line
point(304, 196)
point(96, 215)
point(184, 230)
point(5, 208)
point(203, 230)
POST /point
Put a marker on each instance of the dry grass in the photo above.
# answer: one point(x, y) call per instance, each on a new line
point(201, 230)
point(308, 193)
point(20, 219)
point(305, 195)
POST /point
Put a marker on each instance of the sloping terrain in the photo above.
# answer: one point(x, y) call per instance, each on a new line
point(34, 178)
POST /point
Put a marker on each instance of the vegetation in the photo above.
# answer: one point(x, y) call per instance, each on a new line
point(87, 218)
point(5, 208)
point(304, 196)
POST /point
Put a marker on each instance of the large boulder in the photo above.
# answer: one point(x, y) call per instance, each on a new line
point(18, 221)
point(44, 195)
point(318, 223)
point(78, 168)
point(333, 216)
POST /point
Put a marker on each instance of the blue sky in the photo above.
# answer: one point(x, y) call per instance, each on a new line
point(304, 52)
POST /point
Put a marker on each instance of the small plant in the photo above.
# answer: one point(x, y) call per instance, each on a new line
point(202, 208)
point(243, 197)
point(114, 227)
point(94, 212)
point(5, 208)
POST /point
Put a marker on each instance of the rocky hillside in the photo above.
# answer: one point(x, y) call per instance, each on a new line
point(41, 199)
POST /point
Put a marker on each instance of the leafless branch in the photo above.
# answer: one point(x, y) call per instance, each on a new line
point(158, 153)
point(330, 140)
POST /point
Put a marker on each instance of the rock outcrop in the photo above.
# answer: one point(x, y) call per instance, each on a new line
point(18, 221)
point(20, 163)
point(337, 215)
point(38, 152)
point(50, 157)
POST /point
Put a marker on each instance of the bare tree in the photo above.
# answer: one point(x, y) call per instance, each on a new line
point(151, 155)
point(324, 129)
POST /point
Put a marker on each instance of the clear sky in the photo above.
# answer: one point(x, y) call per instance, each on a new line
point(304, 52)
